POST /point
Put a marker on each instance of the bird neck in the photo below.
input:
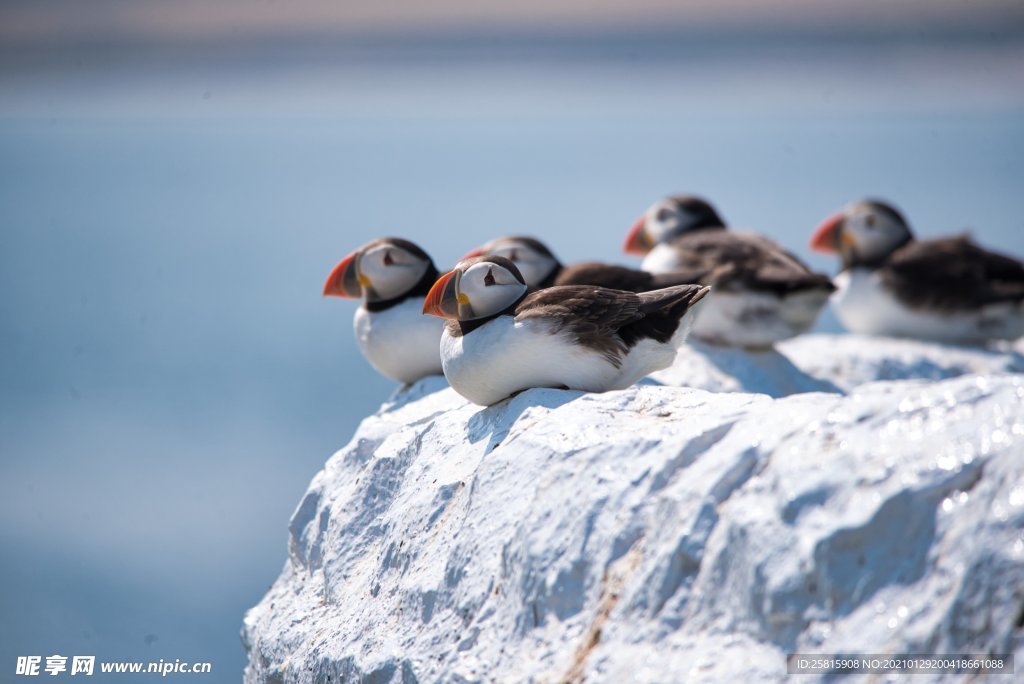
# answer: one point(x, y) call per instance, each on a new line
point(466, 327)
point(851, 259)
point(551, 277)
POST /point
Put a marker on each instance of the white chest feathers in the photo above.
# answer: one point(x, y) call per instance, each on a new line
point(503, 357)
point(662, 258)
point(864, 305)
point(400, 342)
point(757, 320)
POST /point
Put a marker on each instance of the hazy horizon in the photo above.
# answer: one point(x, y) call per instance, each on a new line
point(24, 23)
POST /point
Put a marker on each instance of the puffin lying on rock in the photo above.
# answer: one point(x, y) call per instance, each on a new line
point(500, 339)
point(541, 268)
point(947, 289)
point(392, 276)
point(763, 293)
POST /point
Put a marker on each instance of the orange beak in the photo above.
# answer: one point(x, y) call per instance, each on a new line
point(637, 241)
point(344, 279)
point(828, 235)
point(443, 298)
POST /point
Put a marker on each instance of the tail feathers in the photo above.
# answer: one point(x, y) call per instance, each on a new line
point(667, 314)
point(672, 301)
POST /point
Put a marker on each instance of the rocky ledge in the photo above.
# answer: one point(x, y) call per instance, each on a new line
point(665, 533)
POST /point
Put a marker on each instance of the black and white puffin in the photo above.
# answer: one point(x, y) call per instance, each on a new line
point(946, 289)
point(763, 293)
point(392, 276)
point(500, 338)
point(541, 268)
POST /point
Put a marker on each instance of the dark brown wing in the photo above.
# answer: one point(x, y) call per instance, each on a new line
point(610, 321)
point(952, 273)
point(622, 278)
point(753, 262)
point(587, 311)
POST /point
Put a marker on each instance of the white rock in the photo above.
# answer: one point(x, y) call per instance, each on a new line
point(830, 363)
point(729, 369)
point(655, 534)
point(852, 360)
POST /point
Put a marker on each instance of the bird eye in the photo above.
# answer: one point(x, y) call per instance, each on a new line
point(514, 255)
point(664, 215)
point(870, 221)
point(388, 261)
point(489, 278)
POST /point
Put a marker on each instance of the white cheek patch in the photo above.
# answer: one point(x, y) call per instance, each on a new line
point(489, 300)
point(870, 243)
point(654, 227)
point(677, 221)
point(875, 241)
point(391, 281)
point(533, 271)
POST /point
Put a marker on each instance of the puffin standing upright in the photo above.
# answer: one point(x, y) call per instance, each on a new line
point(541, 268)
point(946, 289)
point(501, 339)
point(763, 293)
point(392, 276)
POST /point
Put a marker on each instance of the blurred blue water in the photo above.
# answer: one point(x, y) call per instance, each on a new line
point(170, 378)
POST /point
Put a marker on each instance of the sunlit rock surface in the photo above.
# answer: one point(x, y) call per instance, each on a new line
point(831, 363)
point(655, 534)
point(851, 360)
point(729, 369)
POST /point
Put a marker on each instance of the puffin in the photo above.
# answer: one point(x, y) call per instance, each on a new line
point(392, 276)
point(501, 338)
point(945, 289)
point(763, 293)
point(541, 268)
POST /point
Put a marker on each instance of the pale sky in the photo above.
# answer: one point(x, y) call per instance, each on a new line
point(49, 21)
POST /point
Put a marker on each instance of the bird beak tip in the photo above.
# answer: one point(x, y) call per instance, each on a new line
point(637, 241)
point(827, 236)
point(343, 280)
point(443, 299)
